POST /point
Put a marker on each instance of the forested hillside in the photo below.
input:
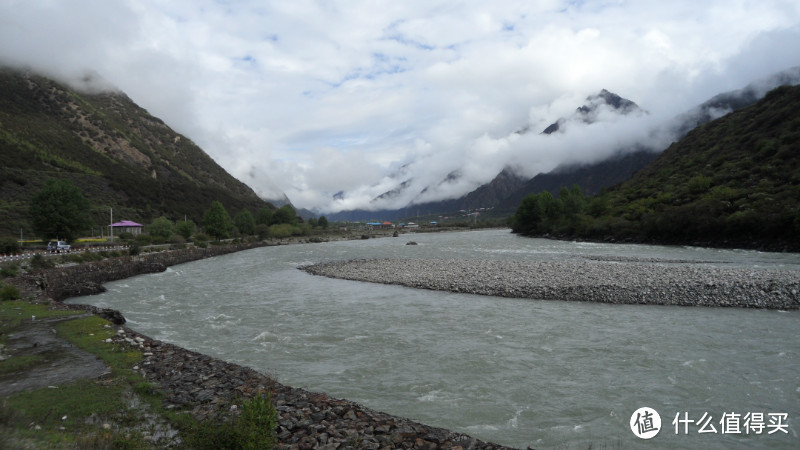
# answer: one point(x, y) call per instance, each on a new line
point(731, 182)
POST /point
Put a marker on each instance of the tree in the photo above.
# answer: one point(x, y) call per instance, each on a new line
point(161, 227)
point(572, 200)
point(529, 215)
point(264, 216)
point(285, 214)
point(245, 222)
point(323, 222)
point(185, 229)
point(217, 222)
point(59, 210)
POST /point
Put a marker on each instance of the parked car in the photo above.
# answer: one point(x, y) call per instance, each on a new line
point(58, 247)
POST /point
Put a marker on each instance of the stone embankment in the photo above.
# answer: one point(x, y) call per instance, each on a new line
point(620, 281)
point(87, 278)
point(307, 420)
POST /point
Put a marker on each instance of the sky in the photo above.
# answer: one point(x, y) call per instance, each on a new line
point(319, 98)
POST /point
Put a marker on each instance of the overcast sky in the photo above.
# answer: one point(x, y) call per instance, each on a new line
point(311, 98)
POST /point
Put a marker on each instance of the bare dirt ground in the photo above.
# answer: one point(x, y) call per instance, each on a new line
point(55, 361)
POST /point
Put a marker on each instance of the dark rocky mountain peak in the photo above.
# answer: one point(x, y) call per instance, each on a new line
point(588, 112)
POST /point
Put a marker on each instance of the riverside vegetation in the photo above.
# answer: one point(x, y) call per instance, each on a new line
point(732, 182)
point(120, 409)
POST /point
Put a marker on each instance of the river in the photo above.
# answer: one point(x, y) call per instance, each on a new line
point(545, 374)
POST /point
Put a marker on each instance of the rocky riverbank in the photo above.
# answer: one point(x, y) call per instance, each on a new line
point(210, 387)
point(657, 282)
point(307, 420)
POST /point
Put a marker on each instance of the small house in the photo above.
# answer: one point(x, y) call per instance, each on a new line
point(127, 226)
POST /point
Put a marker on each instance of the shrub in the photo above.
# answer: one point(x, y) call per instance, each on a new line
point(253, 430)
point(125, 236)
point(257, 424)
point(134, 249)
point(262, 230)
point(161, 227)
point(143, 239)
point(40, 262)
point(9, 271)
point(9, 246)
point(185, 229)
point(9, 292)
point(282, 230)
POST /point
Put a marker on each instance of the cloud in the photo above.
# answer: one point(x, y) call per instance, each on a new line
point(312, 98)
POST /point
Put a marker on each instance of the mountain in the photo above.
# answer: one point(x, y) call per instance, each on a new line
point(119, 155)
point(734, 181)
point(591, 178)
point(730, 101)
point(507, 184)
point(588, 112)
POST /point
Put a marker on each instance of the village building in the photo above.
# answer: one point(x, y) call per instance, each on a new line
point(127, 226)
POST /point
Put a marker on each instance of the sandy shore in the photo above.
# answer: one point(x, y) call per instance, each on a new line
point(651, 281)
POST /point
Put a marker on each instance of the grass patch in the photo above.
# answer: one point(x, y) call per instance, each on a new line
point(116, 411)
point(68, 405)
point(13, 313)
point(254, 429)
point(89, 413)
point(18, 363)
point(90, 334)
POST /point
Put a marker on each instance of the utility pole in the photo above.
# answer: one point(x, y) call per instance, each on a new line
point(111, 226)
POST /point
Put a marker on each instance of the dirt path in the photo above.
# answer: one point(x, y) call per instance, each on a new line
point(54, 361)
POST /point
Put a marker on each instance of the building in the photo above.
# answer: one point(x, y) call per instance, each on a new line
point(127, 226)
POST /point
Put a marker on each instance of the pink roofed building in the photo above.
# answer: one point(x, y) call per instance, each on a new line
point(127, 226)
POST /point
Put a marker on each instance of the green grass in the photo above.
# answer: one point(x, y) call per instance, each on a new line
point(15, 312)
point(102, 413)
point(90, 334)
point(19, 363)
point(69, 405)
point(73, 415)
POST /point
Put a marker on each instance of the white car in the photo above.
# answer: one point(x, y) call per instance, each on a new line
point(58, 247)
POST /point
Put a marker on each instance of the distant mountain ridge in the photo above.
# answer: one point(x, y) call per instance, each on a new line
point(118, 154)
point(592, 178)
point(506, 184)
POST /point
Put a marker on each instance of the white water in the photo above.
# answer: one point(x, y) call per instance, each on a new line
point(545, 374)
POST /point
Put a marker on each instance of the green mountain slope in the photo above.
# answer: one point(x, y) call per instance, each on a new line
point(731, 182)
point(114, 151)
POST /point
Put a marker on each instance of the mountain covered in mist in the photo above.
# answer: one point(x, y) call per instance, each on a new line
point(588, 112)
point(734, 181)
point(119, 155)
point(504, 193)
point(507, 184)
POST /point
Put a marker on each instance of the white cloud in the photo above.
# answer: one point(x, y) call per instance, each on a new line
point(316, 97)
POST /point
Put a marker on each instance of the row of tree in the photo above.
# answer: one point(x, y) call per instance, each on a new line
point(59, 210)
point(543, 213)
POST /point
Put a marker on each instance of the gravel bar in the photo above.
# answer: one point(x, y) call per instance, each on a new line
point(630, 282)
